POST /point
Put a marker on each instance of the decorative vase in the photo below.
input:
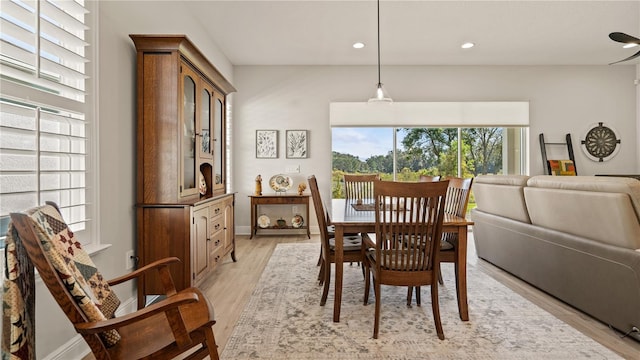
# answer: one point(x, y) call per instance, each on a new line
point(282, 223)
point(203, 185)
point(258, 186)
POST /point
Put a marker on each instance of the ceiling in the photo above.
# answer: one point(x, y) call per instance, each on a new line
point(419, 32)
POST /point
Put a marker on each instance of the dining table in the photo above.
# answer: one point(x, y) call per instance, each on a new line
point(358, 216)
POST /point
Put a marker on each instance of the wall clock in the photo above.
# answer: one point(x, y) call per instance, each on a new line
point(601, 142)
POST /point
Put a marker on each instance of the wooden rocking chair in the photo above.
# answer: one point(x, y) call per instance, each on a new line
point(179, 324)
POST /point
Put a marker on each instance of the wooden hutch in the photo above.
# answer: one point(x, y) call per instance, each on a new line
point(181, 142)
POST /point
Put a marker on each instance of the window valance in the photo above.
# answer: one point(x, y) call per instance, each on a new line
point(439, 114)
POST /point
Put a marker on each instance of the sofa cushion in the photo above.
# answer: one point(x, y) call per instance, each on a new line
point(502, 195)
point(586, 206)
point(610, 184)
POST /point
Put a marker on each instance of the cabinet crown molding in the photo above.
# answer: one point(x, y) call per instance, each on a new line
point(181, 43)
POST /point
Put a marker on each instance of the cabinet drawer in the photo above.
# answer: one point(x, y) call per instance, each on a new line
point(216, 224)
point(216, 256)
point(217, 241)
point(217, 209)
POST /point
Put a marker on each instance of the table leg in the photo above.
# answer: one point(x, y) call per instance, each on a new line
point(307, 219)
point(253, 220)
point(461, 273)
point(339, 238)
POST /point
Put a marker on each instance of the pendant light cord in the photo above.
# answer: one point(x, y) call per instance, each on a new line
point(379, 42)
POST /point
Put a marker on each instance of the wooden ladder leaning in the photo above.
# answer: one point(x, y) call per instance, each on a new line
point(543, 150)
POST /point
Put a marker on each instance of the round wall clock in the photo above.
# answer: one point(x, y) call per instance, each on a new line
point(601, 142)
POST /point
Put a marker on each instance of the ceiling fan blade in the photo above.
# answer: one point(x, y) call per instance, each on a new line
point(624, 38)
point(629, 58)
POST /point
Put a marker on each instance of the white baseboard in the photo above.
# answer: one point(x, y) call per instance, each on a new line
point(77, 348)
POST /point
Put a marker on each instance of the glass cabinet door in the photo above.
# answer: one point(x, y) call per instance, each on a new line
point(188, 175)
point(218, 142)
point(205, 122)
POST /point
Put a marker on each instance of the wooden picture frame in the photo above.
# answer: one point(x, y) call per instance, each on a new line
point(266, 144)
point(297, 144)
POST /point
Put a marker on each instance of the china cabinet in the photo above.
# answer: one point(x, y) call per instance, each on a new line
point(183, 208)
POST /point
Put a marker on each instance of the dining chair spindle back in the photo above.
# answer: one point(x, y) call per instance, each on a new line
point(359, 186)
point(405, 211)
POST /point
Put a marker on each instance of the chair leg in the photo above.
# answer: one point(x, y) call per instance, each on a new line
point(327, 281)
point(319, 258)
point(410, 295)
point(367, 284)
point(436, 310)
point(321, 274)
point(210, 341)
point(376, 323)
point(440, 280)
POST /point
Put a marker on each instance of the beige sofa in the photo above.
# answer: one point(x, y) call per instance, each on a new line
point(574, 237)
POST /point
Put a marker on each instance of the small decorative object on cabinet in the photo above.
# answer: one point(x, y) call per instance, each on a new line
point(181, 122)
point(258, 186)
point(280, 183)
point(297, 221)
point(264, 222)
point(301, 188)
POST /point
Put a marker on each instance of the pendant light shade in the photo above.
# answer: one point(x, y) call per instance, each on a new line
point(380, 94)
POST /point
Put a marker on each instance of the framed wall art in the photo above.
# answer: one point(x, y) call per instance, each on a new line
point(266, 144)
point(601, 142)
point(297, 144)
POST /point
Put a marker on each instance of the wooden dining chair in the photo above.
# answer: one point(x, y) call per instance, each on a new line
point(180, 323)
point(405, 211)
point(359, 186)
point(458, 193)
point(352, 243)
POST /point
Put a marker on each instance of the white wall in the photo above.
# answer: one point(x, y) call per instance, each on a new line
point(563, 99)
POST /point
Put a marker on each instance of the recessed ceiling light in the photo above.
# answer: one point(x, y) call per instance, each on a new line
point(626, 46)
point(358, 45)
point(468, 45)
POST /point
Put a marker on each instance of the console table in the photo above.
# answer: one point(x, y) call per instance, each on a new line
point(279, 200)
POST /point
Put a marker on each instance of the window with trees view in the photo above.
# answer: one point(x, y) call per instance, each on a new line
point(403, 154)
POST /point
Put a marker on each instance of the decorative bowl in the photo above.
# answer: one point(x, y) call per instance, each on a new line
point(280, 182)
point(264, 221)
point(297, 221)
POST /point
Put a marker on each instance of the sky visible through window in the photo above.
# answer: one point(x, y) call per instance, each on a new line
point(364, 142)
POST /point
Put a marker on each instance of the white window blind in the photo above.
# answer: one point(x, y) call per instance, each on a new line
point(44, 127)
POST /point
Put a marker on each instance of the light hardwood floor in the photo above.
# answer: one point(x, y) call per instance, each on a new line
point(231, 285)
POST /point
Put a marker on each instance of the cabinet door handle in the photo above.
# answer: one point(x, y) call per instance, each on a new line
point(208, 239)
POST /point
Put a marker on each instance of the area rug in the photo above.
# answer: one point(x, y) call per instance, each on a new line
point(283, 320)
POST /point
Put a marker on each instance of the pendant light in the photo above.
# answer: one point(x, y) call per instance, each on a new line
point(380, 94)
